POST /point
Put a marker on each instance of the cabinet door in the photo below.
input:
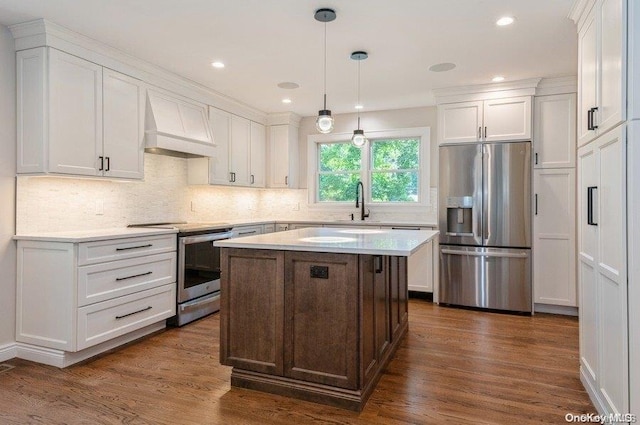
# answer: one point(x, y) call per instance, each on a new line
point(279, 156)
point(258, 151)
point(219, 164)
point(612, 102)
point(554, 230)
point(123, 103)
point(251, 310)
point(420, 269)
point(587, 77)
point(554, 136)
point(240, 145)
point(460, 122)
point(507, 119)
point(612, 269)
point(75, 115)
point(587, 252)
point(321, 318)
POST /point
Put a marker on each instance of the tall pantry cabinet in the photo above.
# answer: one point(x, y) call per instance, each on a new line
point(608, 354)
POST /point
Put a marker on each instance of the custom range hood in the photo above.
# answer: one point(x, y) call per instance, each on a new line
point(177, 126)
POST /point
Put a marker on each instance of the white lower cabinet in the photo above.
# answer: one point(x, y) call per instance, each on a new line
point(602, 271)
point(554, 237)
point(73, 296)
point(422, 268)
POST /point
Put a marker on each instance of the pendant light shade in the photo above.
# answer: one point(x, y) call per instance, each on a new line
point(359, 139)
point(324, 122)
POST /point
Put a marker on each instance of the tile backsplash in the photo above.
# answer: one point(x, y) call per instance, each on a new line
point(49, 204)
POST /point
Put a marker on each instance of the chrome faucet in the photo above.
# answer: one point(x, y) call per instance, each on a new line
point(360, 190)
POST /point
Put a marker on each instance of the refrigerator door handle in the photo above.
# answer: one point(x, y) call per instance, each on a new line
point(485, 254)
point(460, 234)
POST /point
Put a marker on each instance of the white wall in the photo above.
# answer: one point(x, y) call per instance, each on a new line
point(377, 120)
point(7, 189)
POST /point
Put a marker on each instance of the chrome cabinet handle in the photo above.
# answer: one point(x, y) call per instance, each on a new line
point(118, 279)
point(247, 232)
point(135, 312)
point(134, 247)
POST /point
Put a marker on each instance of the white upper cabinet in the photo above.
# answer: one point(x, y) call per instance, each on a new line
point(602, 69)
point(258, 151)
point(554, 135)
point(507, 119)
point(239, 156)
point(460, 122)
point(283, 156)
point(489, 120)
point(123, 135)
point(71, 122)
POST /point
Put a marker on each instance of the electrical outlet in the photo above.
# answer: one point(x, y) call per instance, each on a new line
point(296, 206)
point(100, 207)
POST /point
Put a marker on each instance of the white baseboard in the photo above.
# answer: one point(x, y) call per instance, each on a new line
point(555, 309)
point(62, 359)
point(591, 391)
point(8, 352)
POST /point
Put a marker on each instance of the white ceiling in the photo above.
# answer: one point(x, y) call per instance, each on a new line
point(265, 42)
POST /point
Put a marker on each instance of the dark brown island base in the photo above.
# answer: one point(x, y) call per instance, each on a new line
point(315, 326)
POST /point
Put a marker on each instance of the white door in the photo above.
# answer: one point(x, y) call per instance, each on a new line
point(554, 135)
point(460, 122)
point(587, 253)
point(279, 156)
point(612, 104)
point(220, 122)
point(507, 119)
point(240, 144)
point(75, 115)
point(554, 237)
point(123, 132)
point(612, 269)
point(587, 77)
point(258, 155)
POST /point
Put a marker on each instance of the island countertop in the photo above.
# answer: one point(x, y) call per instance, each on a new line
point(337, 240)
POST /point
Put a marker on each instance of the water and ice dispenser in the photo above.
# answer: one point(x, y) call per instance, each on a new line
point(460, 216)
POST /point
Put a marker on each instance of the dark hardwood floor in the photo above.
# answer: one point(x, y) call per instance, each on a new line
point(455, 366)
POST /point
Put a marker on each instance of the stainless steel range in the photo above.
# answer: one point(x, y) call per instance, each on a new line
point(198, 268)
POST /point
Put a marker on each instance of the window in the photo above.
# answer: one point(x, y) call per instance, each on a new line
point(394, 167)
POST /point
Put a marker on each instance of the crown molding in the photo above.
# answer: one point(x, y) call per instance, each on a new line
point(578, 9)
point(43, 33)
point(487, 91)
point(557, 85)
point(284, 118)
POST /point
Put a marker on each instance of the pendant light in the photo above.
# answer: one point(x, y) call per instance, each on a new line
point(358, 138)
point(324, 122)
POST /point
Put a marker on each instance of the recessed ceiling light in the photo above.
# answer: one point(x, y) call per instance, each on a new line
point(288, 85)
point(442, 67)
point(359, 106)
point(286, 100)
point(505, 20)
point(497, 79)
point(217, 64)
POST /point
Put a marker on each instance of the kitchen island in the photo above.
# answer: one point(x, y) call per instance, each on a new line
point(315, 313)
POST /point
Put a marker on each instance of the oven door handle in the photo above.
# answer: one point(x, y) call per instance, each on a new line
point(186, 240)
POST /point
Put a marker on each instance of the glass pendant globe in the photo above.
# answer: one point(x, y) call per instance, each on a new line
point(358, 139)
point(324, 123)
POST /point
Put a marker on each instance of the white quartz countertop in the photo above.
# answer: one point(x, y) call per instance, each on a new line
point(93, 235)
point(338, 240)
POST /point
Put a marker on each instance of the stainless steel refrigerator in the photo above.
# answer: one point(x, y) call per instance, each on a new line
point(485, 225)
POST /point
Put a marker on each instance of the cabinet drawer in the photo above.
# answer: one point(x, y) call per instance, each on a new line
point(109, 319)
point(118, 249)
point(101, 282)
point(246, 231)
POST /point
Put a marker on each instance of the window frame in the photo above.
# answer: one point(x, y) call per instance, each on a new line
point(422, 133)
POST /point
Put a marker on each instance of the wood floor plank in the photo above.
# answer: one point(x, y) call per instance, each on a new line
point(455, 366)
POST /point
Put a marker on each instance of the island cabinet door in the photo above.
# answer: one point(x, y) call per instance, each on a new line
point(251, 310)
point(321, 318)
point(376, 329)
point(399, 295)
